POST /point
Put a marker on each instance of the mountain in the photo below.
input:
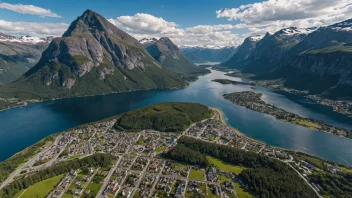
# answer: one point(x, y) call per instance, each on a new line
point(322, 62)
point(148, 41)
point(19, 54)
point(317, 60)
point(242, 53)
point(171, 58)
point(204, 54)
point(272, 47)
point(92, 57)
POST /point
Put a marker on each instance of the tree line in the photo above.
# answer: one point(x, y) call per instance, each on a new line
point(265, 177)
point(96, 160)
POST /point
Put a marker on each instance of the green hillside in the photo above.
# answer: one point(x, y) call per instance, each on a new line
point(167, 117)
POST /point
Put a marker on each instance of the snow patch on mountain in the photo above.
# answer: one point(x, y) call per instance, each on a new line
point(343, 26)
point(24, 39)
point(202, 46)
point(294, 31)
point(148, 40)
point(255, 38)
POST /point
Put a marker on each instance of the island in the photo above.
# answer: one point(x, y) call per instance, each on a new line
point(227, 81)
point(166, 150)
point(253, 101)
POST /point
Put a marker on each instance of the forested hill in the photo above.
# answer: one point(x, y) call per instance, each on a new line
point(166, 117)
point(265, 177)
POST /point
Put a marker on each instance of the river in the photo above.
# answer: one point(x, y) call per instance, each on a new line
point(23, 126)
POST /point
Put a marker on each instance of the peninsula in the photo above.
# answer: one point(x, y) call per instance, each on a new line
point(227, 81)
point(174, 150)
point(253, 101)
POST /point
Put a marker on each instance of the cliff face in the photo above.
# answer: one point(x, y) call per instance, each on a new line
point(320, 64)
point(238, 60)
point(318, 60)
point(93, 52)
point(18, 56)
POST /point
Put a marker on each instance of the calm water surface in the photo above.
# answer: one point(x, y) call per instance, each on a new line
point(21, 127)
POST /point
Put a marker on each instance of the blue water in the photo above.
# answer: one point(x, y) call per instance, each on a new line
point(21, 127)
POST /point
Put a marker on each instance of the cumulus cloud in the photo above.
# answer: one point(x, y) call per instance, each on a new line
point(32, 28)
point(143, 25)
point(285, 13)
point(29, 9)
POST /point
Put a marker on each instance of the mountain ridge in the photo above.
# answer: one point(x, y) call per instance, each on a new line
point(92, 57)
point(320, 57)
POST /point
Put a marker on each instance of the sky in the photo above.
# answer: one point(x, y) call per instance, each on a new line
point(185, 22)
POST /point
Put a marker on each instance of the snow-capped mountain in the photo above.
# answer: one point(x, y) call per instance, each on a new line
point(18, 54)
point(146, 42)
point(294, 31)
point(202, 47)
point(255, 38)
point(320, 58)
point(24, 39)
point(343, 26)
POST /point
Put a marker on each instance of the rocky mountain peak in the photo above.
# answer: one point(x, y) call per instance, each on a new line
point(342, 26)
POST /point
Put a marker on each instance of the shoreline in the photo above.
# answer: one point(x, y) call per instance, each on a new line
point(238, 132)
point(236, 98)
point(33, 101)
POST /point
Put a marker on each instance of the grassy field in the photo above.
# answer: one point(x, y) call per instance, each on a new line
point(177, 166)
point(67, 196)
point(196, 174)
point(42, 188)
point(76, 156)
point(308, 124)
point(221, 165)
point(242, 193)
point(94, 189)
point(160, 149)
point(19, 193)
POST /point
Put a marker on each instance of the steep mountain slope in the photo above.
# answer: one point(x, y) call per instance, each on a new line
point(321, 63)
point(19, 54)
point(92, 57)
point(203, 54)
point(270, 50)
point(238, 60)
point(171, 58)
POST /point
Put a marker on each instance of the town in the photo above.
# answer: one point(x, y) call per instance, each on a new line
point(139, 171)
point(253, 101)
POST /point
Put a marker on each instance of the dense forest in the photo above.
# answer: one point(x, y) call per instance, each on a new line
point(334, 185)
point(265, 177)
point(9, 165)
point(184, 154)
point(166, 117)
point(96, 160)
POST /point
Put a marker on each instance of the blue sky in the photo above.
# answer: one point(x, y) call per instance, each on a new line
point(186, 22)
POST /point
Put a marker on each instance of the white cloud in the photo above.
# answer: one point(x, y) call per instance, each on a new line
point(143, 25)
point(141, 22)
point(285, 13)
point(29, 9)
point(32, 28)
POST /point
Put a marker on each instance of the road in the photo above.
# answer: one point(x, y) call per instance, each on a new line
point(31, 161)
point(316, 192)
point(156, 180)
point(107, 178)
